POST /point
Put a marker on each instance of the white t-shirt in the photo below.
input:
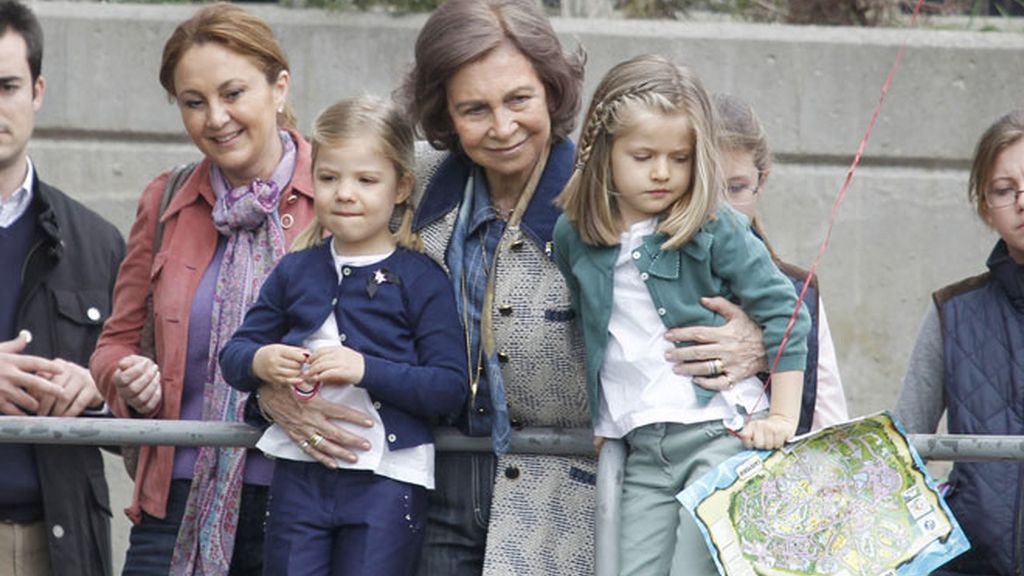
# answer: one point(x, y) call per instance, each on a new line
point(638, 386)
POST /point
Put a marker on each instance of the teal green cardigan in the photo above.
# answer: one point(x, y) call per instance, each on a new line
point(722, 259)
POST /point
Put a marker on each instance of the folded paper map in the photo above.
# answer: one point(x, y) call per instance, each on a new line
point(850, 500)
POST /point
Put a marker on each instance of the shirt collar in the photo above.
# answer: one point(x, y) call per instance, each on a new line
point(481, 211)
point(16, 206)
point(340, 260)
point(540, 216)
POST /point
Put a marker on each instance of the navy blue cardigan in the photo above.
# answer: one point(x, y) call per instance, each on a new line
point(408, 332)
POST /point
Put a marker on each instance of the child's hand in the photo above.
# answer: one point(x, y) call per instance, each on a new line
point(279, 364)
point(770, 433)
point(336, 365)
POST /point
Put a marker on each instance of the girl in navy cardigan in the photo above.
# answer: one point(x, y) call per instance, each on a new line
point(362, 320)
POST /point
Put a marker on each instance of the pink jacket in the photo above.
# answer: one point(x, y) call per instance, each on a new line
point(187, 247)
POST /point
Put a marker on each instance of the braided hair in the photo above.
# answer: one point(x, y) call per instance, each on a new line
point(652, 83)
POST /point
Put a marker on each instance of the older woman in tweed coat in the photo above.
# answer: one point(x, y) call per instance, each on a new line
point(496, 95)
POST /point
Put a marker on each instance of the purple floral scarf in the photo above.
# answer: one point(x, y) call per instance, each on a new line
point(248, 216)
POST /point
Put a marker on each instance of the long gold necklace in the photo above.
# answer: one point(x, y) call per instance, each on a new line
point(476, 372)
point(514, 216)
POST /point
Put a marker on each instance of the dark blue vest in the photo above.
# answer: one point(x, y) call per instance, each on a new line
point(983, 348)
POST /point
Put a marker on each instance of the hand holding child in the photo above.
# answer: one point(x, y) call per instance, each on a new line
point(719, 356)
point(336, 365)
point(280, 364)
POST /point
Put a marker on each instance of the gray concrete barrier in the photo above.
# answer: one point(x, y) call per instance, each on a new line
point(106, 129)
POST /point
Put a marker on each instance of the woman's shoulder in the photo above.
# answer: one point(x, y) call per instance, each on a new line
point(183, 176)
point(961, 287)
point(428, 160)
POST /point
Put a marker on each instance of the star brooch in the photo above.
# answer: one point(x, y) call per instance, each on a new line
point(380, 276)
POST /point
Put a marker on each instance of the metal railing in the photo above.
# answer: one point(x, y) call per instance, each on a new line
point(578, 442)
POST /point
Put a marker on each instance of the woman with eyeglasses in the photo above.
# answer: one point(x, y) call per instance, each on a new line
point(968, 362)
point(746, 163)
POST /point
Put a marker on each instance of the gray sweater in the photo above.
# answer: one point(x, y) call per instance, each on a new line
point(922, 399)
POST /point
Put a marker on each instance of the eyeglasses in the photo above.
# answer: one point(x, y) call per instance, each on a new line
point(744, 193)
point(1002, 197)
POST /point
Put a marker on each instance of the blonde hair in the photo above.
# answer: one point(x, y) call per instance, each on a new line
point(243, 33)
point(362, 117)
point(653, 83)
point(1003, 133)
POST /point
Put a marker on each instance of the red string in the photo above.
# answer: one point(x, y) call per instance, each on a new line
point(835, 210)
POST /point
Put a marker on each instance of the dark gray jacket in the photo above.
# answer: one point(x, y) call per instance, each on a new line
point(66, 292)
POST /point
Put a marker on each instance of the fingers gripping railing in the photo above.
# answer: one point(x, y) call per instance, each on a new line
point(114, 432)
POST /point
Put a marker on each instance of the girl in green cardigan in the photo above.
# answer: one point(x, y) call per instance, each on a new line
point(644, 237)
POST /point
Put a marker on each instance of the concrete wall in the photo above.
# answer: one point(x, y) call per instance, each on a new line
point(905, 229)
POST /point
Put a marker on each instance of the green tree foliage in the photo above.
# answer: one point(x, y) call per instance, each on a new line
point(823, 12)
point(384, 5)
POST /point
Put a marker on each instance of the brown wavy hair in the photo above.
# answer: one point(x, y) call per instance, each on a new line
point(235, 29)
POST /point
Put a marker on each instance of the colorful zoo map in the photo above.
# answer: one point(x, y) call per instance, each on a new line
point(850, 500)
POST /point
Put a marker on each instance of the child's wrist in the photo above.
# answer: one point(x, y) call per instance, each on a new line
point(780, 416)
point(257, 365)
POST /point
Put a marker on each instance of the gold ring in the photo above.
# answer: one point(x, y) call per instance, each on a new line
point(715, 366)
point(315, 440)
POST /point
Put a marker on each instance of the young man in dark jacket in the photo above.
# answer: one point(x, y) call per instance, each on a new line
point(58, 264)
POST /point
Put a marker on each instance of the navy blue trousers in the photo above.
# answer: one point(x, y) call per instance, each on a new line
point(342, 522)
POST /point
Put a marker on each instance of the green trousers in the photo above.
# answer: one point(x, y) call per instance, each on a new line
point(659, 536)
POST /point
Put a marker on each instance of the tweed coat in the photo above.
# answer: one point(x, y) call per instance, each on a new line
point(542, 512)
